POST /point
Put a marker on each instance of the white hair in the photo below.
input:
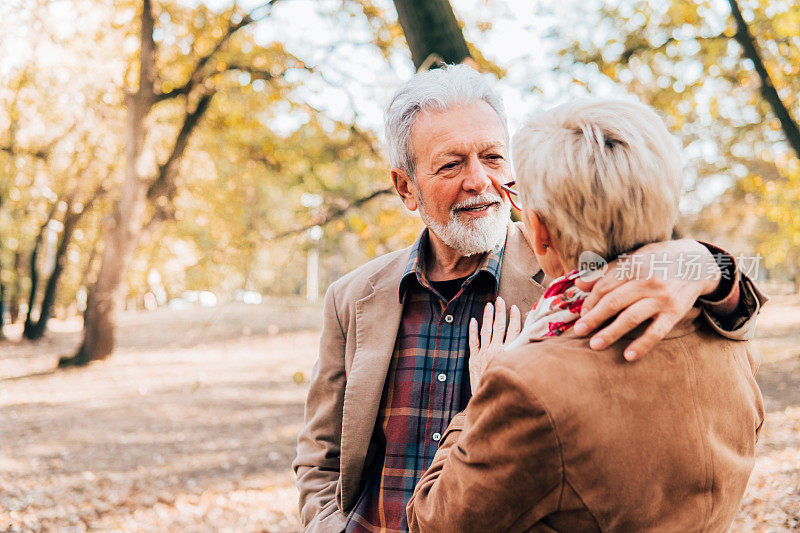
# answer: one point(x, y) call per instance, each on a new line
point(603, 175)
point(434, 90)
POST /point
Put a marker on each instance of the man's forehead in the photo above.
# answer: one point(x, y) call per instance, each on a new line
point(461, 146)
point(478, 114)
point(457, 130)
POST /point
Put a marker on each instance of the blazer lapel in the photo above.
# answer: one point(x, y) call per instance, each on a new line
point(522, 281)
point(377, 323)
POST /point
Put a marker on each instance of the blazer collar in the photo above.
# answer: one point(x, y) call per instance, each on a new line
point(520, 271)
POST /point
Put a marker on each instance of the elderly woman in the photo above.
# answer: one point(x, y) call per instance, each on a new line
point(560, 437)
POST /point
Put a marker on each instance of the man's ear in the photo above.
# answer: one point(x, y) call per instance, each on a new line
point(404, 187)
point(538, 232)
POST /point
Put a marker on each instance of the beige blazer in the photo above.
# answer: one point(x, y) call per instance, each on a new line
point(361, 317)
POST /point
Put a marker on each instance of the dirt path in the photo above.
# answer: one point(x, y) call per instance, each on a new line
point(180, 439)
point(179, 436)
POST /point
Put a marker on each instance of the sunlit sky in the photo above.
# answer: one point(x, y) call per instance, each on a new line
point(341, 49)
point(357, 79)
point(513, 43)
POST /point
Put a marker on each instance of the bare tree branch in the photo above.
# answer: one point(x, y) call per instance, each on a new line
point(98, 193)
point(196, 77)
point(333, 214)
point(750, 50)
point(630, 52)
point(255, 73)
point(645, 46)
point(365, 137)
point(164, 184)
point(38, 153)
point(42, 153)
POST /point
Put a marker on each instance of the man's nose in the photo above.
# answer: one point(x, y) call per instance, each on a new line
point(476, 180)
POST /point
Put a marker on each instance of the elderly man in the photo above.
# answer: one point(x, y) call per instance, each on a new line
point(562, 438)
point(393, 370)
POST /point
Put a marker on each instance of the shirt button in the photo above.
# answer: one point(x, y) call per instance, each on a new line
point(448, 319)
point(436, 437)
point(442, 377)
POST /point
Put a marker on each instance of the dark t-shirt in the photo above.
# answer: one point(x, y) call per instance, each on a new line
point(450, 287)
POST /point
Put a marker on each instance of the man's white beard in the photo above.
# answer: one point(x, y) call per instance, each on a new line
point(475, 236)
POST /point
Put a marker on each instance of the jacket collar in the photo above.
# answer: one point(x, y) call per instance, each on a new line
point(522, 280)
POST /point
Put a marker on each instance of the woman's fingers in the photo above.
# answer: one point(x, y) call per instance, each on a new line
point(495, 331)
point(514, 324)
point(487, 325)
point(657, 330)
point(608, 306)
point(474, 342)
point(626, 321)
point(499, 329)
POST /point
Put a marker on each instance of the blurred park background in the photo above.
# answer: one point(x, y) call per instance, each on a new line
point(180, 180)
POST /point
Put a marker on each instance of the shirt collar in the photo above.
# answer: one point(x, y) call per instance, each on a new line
point(415, 267)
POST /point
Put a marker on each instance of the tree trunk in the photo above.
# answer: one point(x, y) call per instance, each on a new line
point(2, 292)
point(2, 288)
point(432, 32)
point(87, 271)
point(14, 298)
point(2, 308)
point(126, 227)
point(750, 50)
point(121, 238)
point(34, 282)
point(795, 262)
point(36, 330)
point(34, 270)
point(122, 233)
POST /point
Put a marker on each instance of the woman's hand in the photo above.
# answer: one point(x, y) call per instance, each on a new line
point(493, 338)
point(648, 284)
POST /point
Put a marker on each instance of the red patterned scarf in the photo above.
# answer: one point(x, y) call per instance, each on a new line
point(556, 311)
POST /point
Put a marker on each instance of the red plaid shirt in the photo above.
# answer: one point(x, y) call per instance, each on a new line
point(426, 385)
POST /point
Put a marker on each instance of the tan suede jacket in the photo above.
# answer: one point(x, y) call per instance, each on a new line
point(360, 322)
point(562, 438)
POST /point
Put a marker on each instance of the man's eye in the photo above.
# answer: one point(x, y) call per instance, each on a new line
point(495, 157)
point(448, 166)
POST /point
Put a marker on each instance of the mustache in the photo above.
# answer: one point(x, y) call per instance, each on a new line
point(486, 198)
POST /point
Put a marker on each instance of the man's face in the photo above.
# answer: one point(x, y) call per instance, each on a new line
point(461, 158)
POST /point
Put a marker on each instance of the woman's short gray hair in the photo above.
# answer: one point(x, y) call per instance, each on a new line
point(603, 175)
point(438, 90)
